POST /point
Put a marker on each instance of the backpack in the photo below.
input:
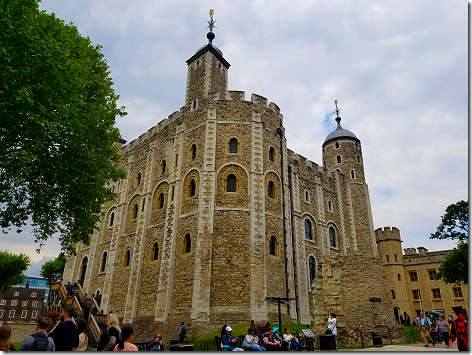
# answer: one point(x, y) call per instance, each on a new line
point(41, 342)
point(183, 331)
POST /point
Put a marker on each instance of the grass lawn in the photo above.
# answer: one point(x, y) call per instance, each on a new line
point(409, 337)
point(17, 345)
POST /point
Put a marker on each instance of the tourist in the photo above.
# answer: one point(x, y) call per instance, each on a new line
point(292, 341)
point(5, 334)
point(39, 341)
point(83, 336)
point(460, 329)
point(266, 327)
point(270, 343)
point(228, 341)
point(407, 320)
point(401, 319)
point(442, 327)
point(111, 335)
point(260, 327)
point(424, 325)
point(125, 341)
point(253, 326)
point(66, 334)
point(155, 344)
point(252, 341)
point(54, 320)
point(182, 333)
point(332, 328)
point(223, 329)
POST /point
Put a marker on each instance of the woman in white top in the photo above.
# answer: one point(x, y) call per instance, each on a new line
point(332, 326)
point(83, 336)
point(251, 341)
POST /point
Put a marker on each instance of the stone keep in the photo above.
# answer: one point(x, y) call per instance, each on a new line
point(217, 213)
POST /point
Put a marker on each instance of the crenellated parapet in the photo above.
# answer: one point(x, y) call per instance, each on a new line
point(387, 233)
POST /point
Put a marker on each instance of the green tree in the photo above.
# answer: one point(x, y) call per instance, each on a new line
point(12, 269)
point(53, 269)
point(57, 137)
point(455, 225)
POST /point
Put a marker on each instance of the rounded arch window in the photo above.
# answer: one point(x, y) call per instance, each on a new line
point(399, 277)
point(330, 206)
point(358, 159)
point(273, 245)
point(308, 230)
point(163, 166)
point(127, 258)
point(393, 294)
point(312, 267)
point(161, 200)
point(271, 154)
point(191, 188)
point(233, 145)
point(352, 174)
point(338, 159)
point(332, 237)
point(155, 251)
point(187, 247)
point(112, 218)
point(194, 151)
point(231, 183)
point(271, 189)
point(138, 179)
point(337, 145)
point(103, 264)
point(135, 211)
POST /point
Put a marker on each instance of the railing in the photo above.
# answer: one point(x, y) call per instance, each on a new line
point(94, 327)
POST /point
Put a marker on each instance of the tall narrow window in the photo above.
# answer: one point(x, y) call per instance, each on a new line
point(324, 164)
point(393, 294)
point(194, 104)
point(272, 245)
point(161, 200)
point(231, 183)
point(308, 232)
point(173, 192)
point(155, 251)
point(332, 237)
point(112, 218)
point(192, 188)
point(352, 174)
point(135, 214)
point(358, 159)
point(233, 145)
point(271, 154)
point(127, 258)
point(399, 277)
point(194, 151)
point(338, 159)
point(144, 203)
point(387, 258)
point(163, 166)
point(138, 179)
point(311, 266)
point(187, 243)
point(176, 159)
point(270, 189)
point(395, 257)
point(307, 196)
point(337, 145)
point(104, 262)
point(330, 207)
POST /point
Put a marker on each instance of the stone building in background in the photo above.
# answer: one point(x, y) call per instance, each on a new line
point(411, 277)
point(217, 214)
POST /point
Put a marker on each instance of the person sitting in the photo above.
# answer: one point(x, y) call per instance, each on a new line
point(292, 341)
point(125, 341)
point(269, 341)
point(228, 341)
point(251, 341)
point(155, 344)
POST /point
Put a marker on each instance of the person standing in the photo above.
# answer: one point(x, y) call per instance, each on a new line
point(83, 336)
point(424, 325)
point(5, 334)
point(253, 326)
point(460, 330)
point(442, 327)
point(182, 333)
point(332, 329)
point(223, 329)
point(66, 334)
point(260, 327)
point(39, 341)
point(111, 335)
point(126, 338)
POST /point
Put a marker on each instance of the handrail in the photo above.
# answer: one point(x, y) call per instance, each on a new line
point(94, 327)
point(95, 304)
point(76, 304)
point(81, 293)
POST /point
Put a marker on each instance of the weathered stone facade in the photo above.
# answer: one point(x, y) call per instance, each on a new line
point(236, 217)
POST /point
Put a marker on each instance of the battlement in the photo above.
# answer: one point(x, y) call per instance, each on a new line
point(302, 161)
point(387, 233)
point(409, 251)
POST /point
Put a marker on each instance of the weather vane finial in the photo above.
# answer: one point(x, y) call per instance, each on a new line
point(337, 119)
point(211, 25)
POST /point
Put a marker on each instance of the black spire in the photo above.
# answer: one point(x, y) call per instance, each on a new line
point(211, 25)
point(337, 119)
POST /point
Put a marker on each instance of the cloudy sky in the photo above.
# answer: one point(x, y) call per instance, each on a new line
point(398, 69)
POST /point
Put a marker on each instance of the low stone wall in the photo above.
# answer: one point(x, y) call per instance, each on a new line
point(19, 331)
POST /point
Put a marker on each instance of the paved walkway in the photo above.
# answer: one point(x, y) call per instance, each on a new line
point(409, 347)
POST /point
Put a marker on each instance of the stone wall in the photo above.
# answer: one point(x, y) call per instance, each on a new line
point(19, 331)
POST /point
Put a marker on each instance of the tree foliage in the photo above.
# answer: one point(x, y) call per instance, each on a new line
point(12, 268)
point(53, 269)
point(454, 223)
point(454, 269)
point(57, 135)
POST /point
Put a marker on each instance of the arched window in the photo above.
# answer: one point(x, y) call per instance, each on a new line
point(138, 179)
point(270, 189)
point(127, 258)
point(395, 257)
point(161, 200)
point(155, 251)
point(330, 207)
point(307, 196)
point(112, 218)
point(163, 166)
point(194, 151)
point(271, 154)
point(231, 183)
point(308, 231)
point(338, 170)
point(332, 237)
point(83, 270)
point(312, 267)
point(233, 145)
point(352, 174)
point(387, 258)
point(135, 214)
point(104, 262)
point(187, 243)
point(337, 145)
point(191, 188)
point(272, 245)
point(338, 159)
point(393, 294)
point(399, 277)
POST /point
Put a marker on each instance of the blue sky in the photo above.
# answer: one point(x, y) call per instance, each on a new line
point(399, 70)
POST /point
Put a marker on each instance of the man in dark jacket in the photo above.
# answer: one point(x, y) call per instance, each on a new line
point(66, 334)
point(39, 341)
point(229, 341)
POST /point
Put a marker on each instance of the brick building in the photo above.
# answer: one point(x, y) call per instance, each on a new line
point(217, 214)
point(411, 276)
point(21, 304)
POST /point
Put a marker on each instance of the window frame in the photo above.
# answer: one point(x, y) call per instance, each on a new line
point(103, 262)
point(272, 154)
point(271, 189)
point(273, 245)
point(33, 294)
point(334, 239)
point(24, 303)
point(311, 270)
point(416, 294)
point(415, 274)
point(187, 244)
point(310, 229)
point(436, 293)
point(432, 274)
point(155, 251)
point(227, 181)
point(14, 303)
point(24, 313)
point(10, 315)
point(127, 260)
point(458, 294)
point(34, 304)
point(34, 314)
point(231, 146)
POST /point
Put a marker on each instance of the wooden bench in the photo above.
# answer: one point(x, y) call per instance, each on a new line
point(239, 342)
